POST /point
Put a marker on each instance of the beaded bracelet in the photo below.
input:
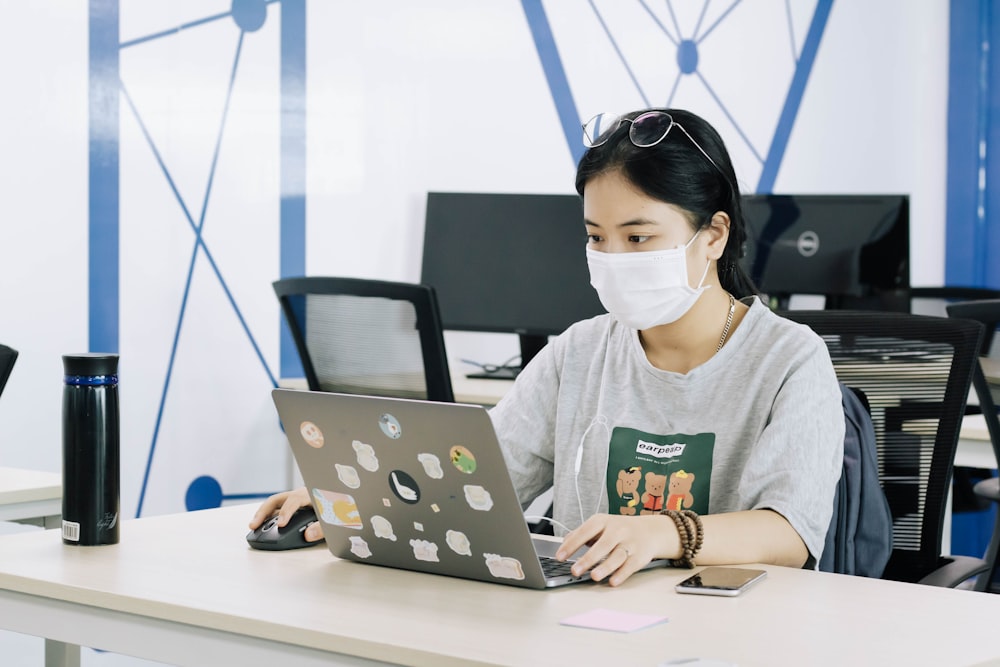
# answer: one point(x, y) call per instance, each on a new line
point(691, 532)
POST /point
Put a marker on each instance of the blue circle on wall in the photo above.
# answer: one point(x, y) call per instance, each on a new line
point(249, 14)
point(203, 493)
point(687, 56)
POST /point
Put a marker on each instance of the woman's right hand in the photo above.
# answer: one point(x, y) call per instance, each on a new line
point(285, 504)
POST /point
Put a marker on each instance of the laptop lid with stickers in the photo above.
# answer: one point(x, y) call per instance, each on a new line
point(411, 484)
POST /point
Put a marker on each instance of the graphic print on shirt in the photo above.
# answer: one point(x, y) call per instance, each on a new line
point(648, 473)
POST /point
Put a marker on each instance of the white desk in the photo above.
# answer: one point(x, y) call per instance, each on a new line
point(974, 447)
point(186, 590)
point(991, 369)
point(30, 496)
point(466, 390)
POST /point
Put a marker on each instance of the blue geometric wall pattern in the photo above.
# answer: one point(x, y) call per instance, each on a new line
point(682, 54)
point(185, 241)
point(195, 191)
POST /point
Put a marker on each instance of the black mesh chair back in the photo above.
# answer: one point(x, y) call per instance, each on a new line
point(374, 337)
point(7, 358)
point(915, 371)
point(988, 313)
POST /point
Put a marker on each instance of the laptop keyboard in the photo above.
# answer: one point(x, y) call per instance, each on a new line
point(554, 568)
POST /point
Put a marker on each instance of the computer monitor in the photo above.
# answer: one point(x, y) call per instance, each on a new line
point(852, 249)
point(508, 263)
point(8, 356)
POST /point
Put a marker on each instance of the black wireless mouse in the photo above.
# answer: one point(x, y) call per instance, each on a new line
point(292, 536)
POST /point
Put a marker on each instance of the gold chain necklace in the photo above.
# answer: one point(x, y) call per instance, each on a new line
point(729, 321)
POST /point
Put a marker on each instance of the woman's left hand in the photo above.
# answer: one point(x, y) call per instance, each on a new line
point(619, 545)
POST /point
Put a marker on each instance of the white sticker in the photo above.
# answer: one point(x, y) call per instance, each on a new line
point(348, 475)
point(432, 465)
point(458, 542)
point(71, 531)
point(359, 547)
point(366, 456)
point(478, 497)
point(504, 567)
point(424, 550)
point(383, 528)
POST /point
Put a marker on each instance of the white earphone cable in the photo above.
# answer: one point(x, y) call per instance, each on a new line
point(599, 420)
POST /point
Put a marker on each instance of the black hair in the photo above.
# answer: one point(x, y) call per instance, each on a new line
point(676, 172)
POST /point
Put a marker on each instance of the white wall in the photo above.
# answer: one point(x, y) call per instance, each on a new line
point(402, 99)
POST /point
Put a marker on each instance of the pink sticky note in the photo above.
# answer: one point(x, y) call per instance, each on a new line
point(616, 621)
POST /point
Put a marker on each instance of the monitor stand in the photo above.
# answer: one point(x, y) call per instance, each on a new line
point(530, 346)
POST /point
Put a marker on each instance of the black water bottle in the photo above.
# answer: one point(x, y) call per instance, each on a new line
point(91, 474)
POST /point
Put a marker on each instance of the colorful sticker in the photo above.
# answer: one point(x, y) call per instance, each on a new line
point(424, 550)
point(504, 567)
point(404, 486)
point(432, 465)
point(463, 459)
point(390, 426)
point(359, 547)
point(337, 509)
point(383, 528)
point(348, 475)
point(311, 434)
point(458, 542)
point(478, 497)
point(366, 456)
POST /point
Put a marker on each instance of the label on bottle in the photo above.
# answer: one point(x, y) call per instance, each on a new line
point(71, 531)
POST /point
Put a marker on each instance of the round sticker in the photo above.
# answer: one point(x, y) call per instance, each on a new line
point(311, 434)
point(404, 486)
point(463, 459)
point(390, 426)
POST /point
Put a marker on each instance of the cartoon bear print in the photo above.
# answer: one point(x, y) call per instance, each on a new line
point(680, 490)
point(628, 489)
point(652, 497)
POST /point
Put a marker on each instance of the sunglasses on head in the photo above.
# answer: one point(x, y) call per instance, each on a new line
point(647, 129)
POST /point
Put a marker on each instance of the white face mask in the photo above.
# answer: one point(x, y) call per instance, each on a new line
point(645, 289)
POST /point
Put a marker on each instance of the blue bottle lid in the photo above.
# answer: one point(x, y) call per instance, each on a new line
point(91, 364)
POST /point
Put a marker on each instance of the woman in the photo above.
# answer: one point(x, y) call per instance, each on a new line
point(690, 422)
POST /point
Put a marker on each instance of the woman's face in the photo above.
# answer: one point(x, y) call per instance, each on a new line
point(620, 218)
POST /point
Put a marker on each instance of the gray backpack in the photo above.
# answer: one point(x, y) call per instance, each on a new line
point(859, 540)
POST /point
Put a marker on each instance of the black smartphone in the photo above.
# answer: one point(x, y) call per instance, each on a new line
point(727, 581)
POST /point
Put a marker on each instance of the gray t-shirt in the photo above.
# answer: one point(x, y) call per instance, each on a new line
point(760, 425)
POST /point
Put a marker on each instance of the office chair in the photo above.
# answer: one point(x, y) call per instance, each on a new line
point(376, 337)
point(915, 371)
point(988, 313)
point(8, 356)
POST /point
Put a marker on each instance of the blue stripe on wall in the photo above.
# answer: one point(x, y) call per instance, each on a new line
point(783, 131)
point(103, 176)
point(548, 54)
point(293, 161)
point(973, 137)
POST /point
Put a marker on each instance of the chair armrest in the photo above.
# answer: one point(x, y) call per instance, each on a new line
point(955, 570)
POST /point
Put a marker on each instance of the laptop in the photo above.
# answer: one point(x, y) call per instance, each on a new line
point(416, 485)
